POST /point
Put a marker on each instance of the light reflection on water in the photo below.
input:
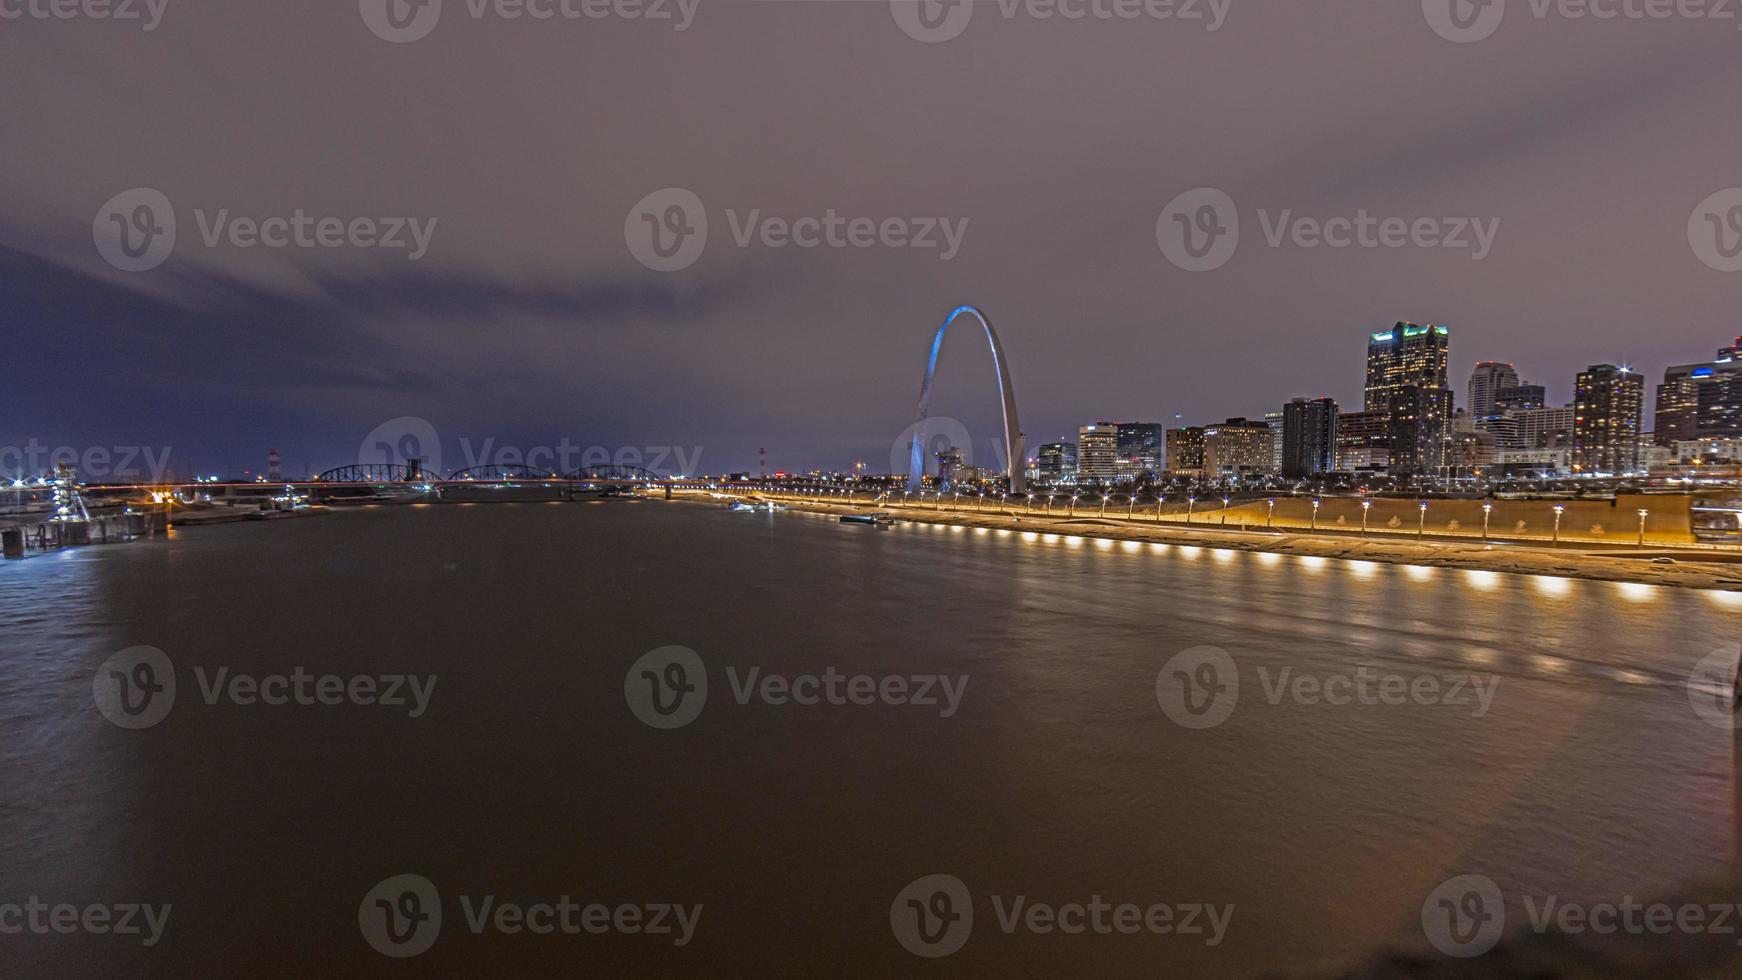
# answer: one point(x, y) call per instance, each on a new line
point(1326, 826)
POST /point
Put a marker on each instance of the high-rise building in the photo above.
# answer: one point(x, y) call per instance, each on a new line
point(1541, 427)
point(1701, 400)
point(1520, 397)
point(1098, 453)
point(1309, 437)
point(1407, 354)
point(1185, 451)
point(950, 465)
point(1274, 420)
point(1606, 420)
point(1421, 429)
point(1058, 463)
point(1140, 450)
point(1236, 448)
point(1486, 382)
point(1363, 441)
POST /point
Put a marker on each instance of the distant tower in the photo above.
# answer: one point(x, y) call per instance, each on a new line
point(273, 473)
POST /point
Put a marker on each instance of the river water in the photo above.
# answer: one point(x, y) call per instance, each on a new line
point(1057, 777)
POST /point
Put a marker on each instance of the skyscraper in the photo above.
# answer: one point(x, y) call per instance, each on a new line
point(1058, 463)
point(1606, 420)
point(1486, 383)
point(1274, 420)
point(1098, 452)
point(1407, 354)
point(1185, 451)
point(1363, 441)
point(1406, 379)
point(1699, 401)
point(1520, 397)
point(1140, 450)
point(1309, 437)
point(1421, 429)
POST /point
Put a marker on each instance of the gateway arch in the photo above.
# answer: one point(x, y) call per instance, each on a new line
point(1013, 444)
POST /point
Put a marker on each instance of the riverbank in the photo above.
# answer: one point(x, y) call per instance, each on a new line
point(1511, 559)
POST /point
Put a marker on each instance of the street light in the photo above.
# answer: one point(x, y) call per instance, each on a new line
point(1559, 509)
point(1421, 525)
point(1642, 515)
point(1316, 502)
point(1366, 505)
point(1270, 515)
point(1104, 504)
point(1073, 512)
point(1191, 505)
point(1225, 502)
point(1049, 499)
point(1487, 510)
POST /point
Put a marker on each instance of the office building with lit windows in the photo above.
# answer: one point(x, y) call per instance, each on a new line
point(1408, 354)
point(1487, 381)
point(1698, 401)
point(1057, 463)
point(1098, 453)
point(1185, 451)
point(1606, 421)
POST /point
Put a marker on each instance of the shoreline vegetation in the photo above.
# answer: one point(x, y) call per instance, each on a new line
point(1581, 562)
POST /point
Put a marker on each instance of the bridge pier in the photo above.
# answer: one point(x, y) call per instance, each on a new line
point(12, 542)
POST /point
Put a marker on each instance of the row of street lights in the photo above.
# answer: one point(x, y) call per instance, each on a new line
point(1191, 509)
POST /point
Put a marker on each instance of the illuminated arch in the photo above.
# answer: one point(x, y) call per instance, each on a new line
point(1013, 444)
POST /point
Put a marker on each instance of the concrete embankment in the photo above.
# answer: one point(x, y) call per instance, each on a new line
point(1498, 557)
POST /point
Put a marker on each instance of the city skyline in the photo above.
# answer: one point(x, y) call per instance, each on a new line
point(529, 319)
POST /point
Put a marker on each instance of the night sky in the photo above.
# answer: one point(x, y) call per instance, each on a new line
point(530, 321)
